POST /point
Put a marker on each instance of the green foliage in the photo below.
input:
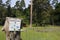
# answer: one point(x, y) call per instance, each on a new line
point(7, 11)
point(0, 2)
point(57, 14)
point(27, 15)
point(22, 3)
point(43, 12)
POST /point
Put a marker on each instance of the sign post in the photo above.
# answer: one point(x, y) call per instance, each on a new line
point(12, 28)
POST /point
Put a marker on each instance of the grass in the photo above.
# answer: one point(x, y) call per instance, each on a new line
point(38, 33)
point(2, 35)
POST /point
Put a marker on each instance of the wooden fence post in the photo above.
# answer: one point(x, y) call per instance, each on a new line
point(11, 35)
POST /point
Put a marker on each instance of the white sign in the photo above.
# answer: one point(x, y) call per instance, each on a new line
point(14, 24)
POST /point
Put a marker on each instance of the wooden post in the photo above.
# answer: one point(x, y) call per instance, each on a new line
point(31, 14)
point(10, 35)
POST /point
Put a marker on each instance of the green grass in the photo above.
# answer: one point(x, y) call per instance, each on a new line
point(38, 33)
point(2, 35)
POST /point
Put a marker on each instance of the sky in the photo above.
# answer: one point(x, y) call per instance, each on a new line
point(59, 0)
point(14, 1)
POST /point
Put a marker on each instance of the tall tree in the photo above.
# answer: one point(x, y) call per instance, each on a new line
point(8, 2)
point(2, 12)
point(22, 3)
point(41, 11)
point(57, 14)
point(17, 4)
point(27, 15)
point(54, 2)
point(9, 12)
point(0, 2)
point(19, 8)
